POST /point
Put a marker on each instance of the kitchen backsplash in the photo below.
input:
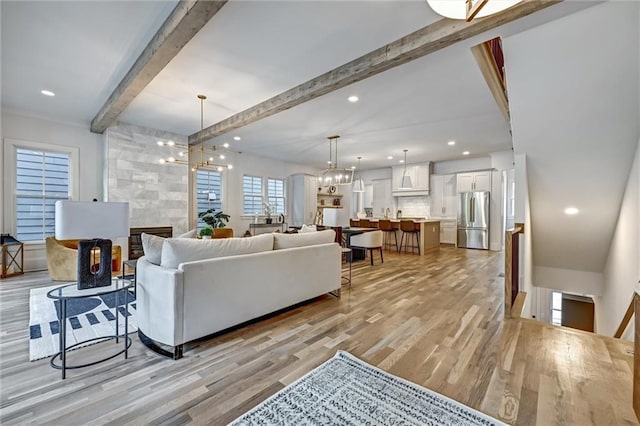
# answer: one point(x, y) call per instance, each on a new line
point(414, 206)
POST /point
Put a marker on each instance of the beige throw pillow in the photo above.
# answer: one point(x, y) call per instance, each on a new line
point(152, 245)
point(179, 250)
point(283, 241)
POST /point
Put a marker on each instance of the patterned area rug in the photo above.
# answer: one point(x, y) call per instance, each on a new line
point(86, 318)
point(347, 391)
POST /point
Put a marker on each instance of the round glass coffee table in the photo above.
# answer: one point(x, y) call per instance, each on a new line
point(70, 291)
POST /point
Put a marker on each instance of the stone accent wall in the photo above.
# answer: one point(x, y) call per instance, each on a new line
point(157, 193)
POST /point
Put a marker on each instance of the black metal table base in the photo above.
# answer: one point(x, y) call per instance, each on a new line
point(105, 338)
point(175, 352)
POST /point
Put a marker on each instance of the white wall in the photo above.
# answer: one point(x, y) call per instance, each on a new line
point(523, 215)
point(622, 270)
point(458, 166)
point(20, 126)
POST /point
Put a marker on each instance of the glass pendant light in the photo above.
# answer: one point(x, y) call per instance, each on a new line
point(406, 179)
point(358, 184)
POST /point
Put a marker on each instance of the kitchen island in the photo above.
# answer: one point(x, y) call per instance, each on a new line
point(429, 231)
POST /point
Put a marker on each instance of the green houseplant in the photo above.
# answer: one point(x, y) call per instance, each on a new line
point(206, 232)
point(216, 220)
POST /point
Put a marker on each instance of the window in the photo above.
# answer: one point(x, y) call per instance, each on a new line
point(208, 192)
point(556, 308)
point(41, 179)
point(252, 194)
point(275, 194)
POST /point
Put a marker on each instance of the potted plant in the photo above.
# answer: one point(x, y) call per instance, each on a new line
point(268, 208)
point(206, 232)
point(216, 220)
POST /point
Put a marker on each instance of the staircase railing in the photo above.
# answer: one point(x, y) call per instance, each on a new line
point(513, 300)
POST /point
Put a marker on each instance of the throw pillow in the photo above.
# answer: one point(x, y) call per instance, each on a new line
point(284, 241)
point(180, 250)
point(310, 228)
point(189, 234)
point(152, 247)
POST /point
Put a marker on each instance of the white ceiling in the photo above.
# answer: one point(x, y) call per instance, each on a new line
point(247, 53)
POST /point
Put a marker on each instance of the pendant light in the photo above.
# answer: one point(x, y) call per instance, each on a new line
point(406, 179)
point(358, 184)
point(334, 175)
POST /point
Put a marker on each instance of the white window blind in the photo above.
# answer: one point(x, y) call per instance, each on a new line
point(252, 194)
point(275, 194)
point(42, 178)
point(209, 192)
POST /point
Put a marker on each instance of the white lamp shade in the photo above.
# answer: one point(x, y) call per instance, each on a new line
point(457, 9)
point(88, 219)
point(406, 182)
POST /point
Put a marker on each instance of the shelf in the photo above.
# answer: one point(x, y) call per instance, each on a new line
point(329, 207)
point(331, 195)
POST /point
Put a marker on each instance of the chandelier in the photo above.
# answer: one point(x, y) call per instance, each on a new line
point(211, 157)
point(335, 175)
point(469, 9)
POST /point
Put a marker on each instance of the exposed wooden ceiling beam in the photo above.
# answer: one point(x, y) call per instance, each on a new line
point(181, 25)
point(429, 39)
point(488, 68)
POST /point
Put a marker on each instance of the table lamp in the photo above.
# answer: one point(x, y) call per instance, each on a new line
point(94, 223)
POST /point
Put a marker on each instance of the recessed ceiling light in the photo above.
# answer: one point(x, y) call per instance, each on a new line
point(236, 138)
point(465, 153)
point(401, 161)
point(451, 143)
point(171, 143)
point(353, 98)
point(226, 144)
point(160, 143)
point(47, 93)
point(571, 211)
point(390, 157)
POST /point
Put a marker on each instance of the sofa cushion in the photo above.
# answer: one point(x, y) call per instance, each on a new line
point(283, 241)
point(179, 250)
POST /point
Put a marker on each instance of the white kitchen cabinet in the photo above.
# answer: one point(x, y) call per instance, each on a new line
point(474, 181)
point(301, 199)
point(444, 196)
point(419, 174)
point(382, 198)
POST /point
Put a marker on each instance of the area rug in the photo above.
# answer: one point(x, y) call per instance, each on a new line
point(347, 391)
point(86, 318)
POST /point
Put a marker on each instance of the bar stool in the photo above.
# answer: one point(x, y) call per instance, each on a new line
point(409, 227)
point(354, 222)
point(387, 228)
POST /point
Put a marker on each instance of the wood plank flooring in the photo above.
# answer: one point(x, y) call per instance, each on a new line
point(436, 320)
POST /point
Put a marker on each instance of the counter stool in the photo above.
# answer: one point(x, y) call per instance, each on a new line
point(413, 229)
point(387, 228)
point(354, 223)
point(347, 257)
point(365, 223)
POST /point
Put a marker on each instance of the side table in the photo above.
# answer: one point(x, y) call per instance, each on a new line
point(348, 253)
point(70, 291)
point(132, 264)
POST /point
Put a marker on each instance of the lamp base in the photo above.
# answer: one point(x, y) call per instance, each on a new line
point(87, 277)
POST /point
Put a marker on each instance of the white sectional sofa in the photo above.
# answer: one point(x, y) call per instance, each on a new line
point(194, 288)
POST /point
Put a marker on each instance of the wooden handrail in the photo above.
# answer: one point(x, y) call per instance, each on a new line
point(512, 269)
point(625, 320)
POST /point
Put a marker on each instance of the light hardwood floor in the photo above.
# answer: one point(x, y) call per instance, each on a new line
point(436, 320)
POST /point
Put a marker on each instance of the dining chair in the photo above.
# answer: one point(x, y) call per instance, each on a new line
point(369, 241)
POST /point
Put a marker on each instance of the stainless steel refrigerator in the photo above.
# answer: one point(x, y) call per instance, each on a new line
point(473, 220)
